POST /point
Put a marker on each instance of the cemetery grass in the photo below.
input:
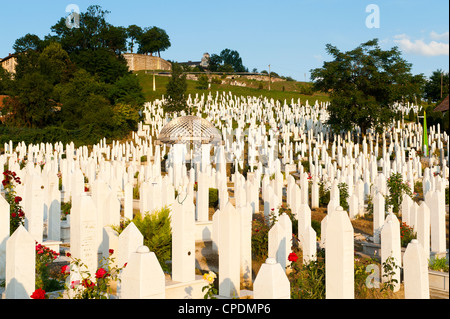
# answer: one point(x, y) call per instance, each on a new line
point(291, 89)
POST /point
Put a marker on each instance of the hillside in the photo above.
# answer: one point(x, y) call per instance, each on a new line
point(280, 90)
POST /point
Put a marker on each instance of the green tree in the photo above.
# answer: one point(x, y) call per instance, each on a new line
point(363, 84)
point(438, 79)
point(102, 63)
point(153, 40)
point(29, 42)
point(89, 34)
point(31, 104)
point(232, 57)
point(5, 81)
point(55, 64)
point(95, 46)
point(214, 62)
point(115, 38)
point(127, 89)
point(175, 90)
point(133, 33)
point(203, 82)
point(75, 98)
point(227, 61)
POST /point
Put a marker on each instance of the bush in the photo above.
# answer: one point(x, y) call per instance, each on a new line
point(343, 196)
point(260, 238)
point(202, 82)
point(155, 228)
point(406, 234)
point(396, 188)
point(308, 280)
point(213, 197)
point(324, 195)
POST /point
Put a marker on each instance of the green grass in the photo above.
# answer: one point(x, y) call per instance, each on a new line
point(291, 89)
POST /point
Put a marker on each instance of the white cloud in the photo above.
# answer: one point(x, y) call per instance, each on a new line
point(436, 36)
point(420, 47)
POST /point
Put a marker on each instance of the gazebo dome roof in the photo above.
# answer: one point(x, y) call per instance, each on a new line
point(189, 129)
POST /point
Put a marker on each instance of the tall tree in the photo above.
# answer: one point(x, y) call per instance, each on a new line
point(115, 38)
point(27, 42)
point(133, 32)
point(214, 62)
point(31, 104)
point(153, 40)
point(437, 83)
point(232, 57)
point(175, 90)
point(363, 84)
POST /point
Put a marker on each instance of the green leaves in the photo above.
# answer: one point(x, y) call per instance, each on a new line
point(153, 40)
point(155, 227)
point(176, 88)
point(363, 84)
point(397, 188)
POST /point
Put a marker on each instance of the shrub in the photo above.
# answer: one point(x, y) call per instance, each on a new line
point(44, 260)
point(439, 264)
point(406, 234)
point(397, 188)
point(213, 197)
point(343, 196)
point(308, 280)
point(202, 82)
point(324, 194)
point(260, 237)
point(155, 228)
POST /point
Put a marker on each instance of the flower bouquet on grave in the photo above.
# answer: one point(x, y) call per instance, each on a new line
point(85, 286)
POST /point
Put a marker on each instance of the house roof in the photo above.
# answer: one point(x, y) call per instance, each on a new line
point(8, 57)
point(443, 106)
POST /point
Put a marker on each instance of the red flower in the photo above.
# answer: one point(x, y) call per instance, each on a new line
point(65, 269)
point(292, 257)
point(13, 215)
point(101, 273)
point(111, 251)
point(87, 283)
point(17, 199)
point(38, 294)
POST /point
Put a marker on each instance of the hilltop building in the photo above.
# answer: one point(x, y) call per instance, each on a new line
point(142, 62)
point(9, 63)
point(204, 63)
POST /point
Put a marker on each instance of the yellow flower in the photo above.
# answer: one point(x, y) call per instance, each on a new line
point(209, 277)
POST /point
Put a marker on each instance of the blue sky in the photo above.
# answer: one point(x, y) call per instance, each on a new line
point(290, 35)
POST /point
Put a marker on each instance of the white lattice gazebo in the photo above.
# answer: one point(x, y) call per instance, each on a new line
point(189, 129)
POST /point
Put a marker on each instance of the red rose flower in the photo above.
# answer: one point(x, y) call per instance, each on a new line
point(65, 269)
point(292, 257)
point(87, 283)
point(38, 294)
point(17, 199)
point(101, 273)
point(111, 251)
